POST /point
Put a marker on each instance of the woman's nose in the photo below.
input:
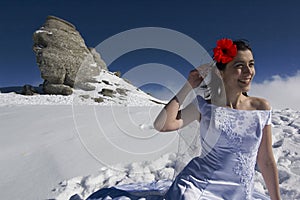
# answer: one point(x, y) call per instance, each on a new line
point(247, 69)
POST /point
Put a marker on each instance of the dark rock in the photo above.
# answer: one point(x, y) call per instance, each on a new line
point(50, 88)
point(75, 197)
point(107, 92)
point(98, 99)
point(117, 73)
point(278, 143)
point(28, 90)
point(106, 82)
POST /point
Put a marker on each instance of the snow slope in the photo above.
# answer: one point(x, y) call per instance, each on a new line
point(53, 146)
point(41, 146)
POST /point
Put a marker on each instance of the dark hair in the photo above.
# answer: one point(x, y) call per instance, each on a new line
point(241, 45)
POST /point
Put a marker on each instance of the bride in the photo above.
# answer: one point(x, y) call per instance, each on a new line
point(235, 133)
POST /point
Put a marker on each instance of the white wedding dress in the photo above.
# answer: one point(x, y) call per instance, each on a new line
point(225, 168)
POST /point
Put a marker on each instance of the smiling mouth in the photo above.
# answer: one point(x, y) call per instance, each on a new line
point(245, 81)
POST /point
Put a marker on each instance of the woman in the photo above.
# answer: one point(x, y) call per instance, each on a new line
point(235, 134)
point(225, 170)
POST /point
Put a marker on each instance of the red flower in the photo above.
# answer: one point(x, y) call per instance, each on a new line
point(225, 51)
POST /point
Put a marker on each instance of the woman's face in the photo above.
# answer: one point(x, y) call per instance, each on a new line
point(239, 72)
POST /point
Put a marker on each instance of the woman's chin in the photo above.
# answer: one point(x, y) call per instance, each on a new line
point(246, 89)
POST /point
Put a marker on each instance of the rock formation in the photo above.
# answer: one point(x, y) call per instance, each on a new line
point(28, 90)
point(64, 60)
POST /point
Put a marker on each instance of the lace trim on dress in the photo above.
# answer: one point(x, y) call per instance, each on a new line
point(245, 169)
point(225, 123)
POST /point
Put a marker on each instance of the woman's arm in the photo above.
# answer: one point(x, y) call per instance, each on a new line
point(171, 118)
point(267, 164)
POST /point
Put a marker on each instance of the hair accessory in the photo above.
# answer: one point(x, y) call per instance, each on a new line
point(225, 51)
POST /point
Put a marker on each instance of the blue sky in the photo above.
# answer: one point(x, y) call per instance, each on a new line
point(270, 26)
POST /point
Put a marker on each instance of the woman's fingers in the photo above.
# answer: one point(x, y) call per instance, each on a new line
point(194, 78)
point(197, 75)
point(204, 69)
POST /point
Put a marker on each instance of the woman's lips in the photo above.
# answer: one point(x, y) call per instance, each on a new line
point(245, 80)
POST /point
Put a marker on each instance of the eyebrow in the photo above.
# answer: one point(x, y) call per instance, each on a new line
point(240, 61)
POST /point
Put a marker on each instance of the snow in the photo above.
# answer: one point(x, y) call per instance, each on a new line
point(43, 31)
point(53, 146)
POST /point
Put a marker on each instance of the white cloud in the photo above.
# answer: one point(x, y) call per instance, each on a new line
point(281, 92)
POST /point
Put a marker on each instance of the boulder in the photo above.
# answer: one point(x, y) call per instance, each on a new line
point(107, 92)
point(64, 59)
point(28, 90)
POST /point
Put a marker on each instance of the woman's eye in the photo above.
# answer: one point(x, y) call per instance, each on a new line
point(238, 65)
point(251, 65)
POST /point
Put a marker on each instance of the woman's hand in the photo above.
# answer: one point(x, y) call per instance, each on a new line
point(197, 75)
point(194, 78)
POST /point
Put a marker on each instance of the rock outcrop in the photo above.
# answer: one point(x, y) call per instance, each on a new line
point(28, 90)
point(64, 59)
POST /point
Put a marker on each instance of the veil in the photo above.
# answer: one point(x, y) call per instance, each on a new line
point(213, 91)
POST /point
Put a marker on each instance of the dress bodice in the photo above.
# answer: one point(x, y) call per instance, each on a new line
point(241, 130)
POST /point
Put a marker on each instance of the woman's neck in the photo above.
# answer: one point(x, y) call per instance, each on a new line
point(234, 98)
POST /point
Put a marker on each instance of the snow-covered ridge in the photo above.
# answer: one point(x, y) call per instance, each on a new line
point(118, 92)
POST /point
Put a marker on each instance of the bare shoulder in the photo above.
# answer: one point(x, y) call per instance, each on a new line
point(259, 103)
